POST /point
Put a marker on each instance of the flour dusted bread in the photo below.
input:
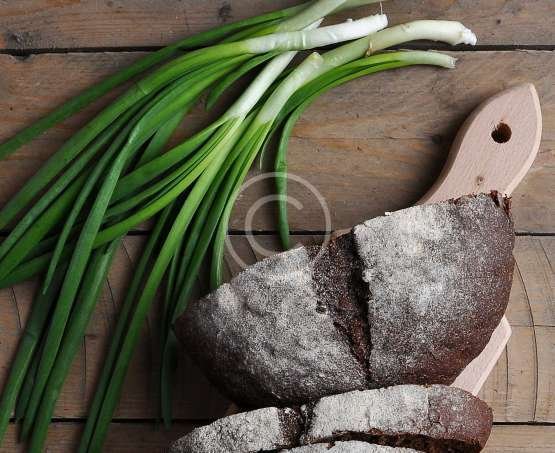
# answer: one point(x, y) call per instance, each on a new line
point(435, 419)
point(439, 278)
point(400, 419)
point(273, 338)
point(408, 298)
point(348, 447)
point(268, 429)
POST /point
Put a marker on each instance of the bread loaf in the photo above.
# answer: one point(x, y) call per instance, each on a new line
point(412, 297)
point(408, 418)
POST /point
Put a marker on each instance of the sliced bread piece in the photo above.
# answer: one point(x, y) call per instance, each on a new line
point(268, 429)
point(407, 418)
point(411, 297)
point(434, 419)
point(349, 447)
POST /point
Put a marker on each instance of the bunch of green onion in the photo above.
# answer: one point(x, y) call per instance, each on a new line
point(115, 173)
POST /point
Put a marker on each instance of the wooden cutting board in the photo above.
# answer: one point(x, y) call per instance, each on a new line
point(493, 150)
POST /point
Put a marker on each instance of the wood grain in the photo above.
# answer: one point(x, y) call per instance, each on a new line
point(520, 389)
point(374, 145)
point(144, 437)
point(46, 24)
point(494, 148)
point(519, 439)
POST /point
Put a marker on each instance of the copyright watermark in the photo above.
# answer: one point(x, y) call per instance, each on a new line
point(301, 187)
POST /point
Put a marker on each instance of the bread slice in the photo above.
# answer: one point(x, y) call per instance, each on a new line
point(408, 418)
point(349, 447)
point(268, 429)
point(434, 419)
point(408, 298)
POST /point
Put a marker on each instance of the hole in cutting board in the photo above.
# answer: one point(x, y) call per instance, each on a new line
point(502, 133)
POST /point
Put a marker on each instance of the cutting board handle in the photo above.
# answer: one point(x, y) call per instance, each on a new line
point(494, 148)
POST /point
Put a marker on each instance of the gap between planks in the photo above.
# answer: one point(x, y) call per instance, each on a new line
point(138, 23)
point(25, 53)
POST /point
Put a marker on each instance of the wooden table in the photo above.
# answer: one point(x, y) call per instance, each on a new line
point(371, 146)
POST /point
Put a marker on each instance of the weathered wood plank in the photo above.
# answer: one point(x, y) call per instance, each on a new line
point(545, 397)
point(371, 146)
point(521, 385)
point(521, 439)
point(63, 437)
point(29, 24)
point(534, 283)
point(520, 388)
point(511, 387)
point(534, 267)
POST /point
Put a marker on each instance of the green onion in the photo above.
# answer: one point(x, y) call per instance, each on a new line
point(90, 290)
point(226, 82)
point(262, 125)
point(86, 189)
point(234, 117)
point(225, 126)
point(143, 304)
point(40, 228)
point(27, 348)
point(198, 241)
point(374, 64)
point(222, 146)
point(76, 143)
point(27, 387)
point(161, 77)
point(48, 200)
point(123, 319)
point(214, 153)
point(256, 137)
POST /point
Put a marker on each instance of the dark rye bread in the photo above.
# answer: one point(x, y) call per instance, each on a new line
point(353, 446)
point(433, 419)
point(268, 429)
point(439, 278)
point(266, 339)
point(342, 293)
point(411, 297)
point(401, 419)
